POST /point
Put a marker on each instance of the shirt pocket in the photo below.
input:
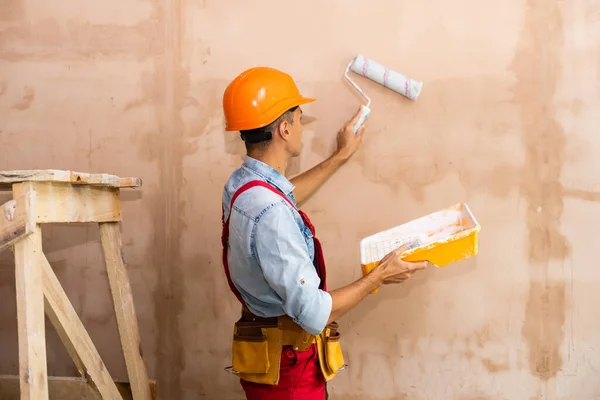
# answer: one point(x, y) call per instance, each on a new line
point(307, 233)
point(308, 237)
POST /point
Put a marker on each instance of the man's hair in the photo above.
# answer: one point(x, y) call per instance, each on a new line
point(261, 138)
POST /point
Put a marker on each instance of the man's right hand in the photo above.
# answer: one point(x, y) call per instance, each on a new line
point(396, 270)
point(348, 142)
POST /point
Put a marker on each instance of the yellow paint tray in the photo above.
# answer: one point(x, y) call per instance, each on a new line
point(442, 238)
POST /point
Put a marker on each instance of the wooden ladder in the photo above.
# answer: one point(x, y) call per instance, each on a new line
point(54, 196)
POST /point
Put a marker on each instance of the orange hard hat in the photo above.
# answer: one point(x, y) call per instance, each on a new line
point(258, 96)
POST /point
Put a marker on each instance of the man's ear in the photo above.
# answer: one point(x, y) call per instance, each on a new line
point(283, 130)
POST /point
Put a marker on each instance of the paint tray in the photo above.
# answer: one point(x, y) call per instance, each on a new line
point(442, 238)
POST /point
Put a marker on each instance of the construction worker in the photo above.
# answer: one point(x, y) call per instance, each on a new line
point(286, 343)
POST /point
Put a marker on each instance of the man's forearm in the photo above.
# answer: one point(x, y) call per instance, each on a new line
point(346, 298)
point(308, 182)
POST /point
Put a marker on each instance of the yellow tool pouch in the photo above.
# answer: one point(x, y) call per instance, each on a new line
point(256, 351)
point(251, 350)
point(258, 342)
point(331, 357)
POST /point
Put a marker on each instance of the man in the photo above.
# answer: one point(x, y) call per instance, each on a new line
point(286, 344)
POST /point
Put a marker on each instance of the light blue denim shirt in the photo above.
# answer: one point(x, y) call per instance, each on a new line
point(271, 251)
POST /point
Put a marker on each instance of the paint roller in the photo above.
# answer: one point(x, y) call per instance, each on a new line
point(386, 77)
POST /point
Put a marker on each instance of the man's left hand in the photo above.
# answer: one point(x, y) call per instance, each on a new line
point(348, 142)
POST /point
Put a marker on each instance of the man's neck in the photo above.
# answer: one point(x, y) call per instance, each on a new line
point(275, 160)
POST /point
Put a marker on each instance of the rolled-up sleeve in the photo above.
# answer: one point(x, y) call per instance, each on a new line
point(281, 251)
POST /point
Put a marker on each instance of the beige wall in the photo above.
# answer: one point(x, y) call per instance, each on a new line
point(507, 122)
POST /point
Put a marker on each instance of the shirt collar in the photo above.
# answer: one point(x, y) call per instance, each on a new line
point(269, 174)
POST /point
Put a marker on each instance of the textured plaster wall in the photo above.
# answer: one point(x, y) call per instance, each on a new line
point(507, 122)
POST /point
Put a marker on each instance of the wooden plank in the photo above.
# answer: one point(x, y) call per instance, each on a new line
point(67, 388)
point(61, 203)
point(74, 335)
point(110, 237)
point(15, 220)
point(74, 177)
point(33, 370)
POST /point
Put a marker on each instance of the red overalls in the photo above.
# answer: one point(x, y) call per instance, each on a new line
point(300, 374)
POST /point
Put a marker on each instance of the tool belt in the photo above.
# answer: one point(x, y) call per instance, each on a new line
point(258, 343)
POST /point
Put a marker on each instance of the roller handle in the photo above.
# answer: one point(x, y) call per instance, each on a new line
point(364, 113)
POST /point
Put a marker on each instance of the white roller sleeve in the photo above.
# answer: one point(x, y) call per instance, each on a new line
point(391, 79)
